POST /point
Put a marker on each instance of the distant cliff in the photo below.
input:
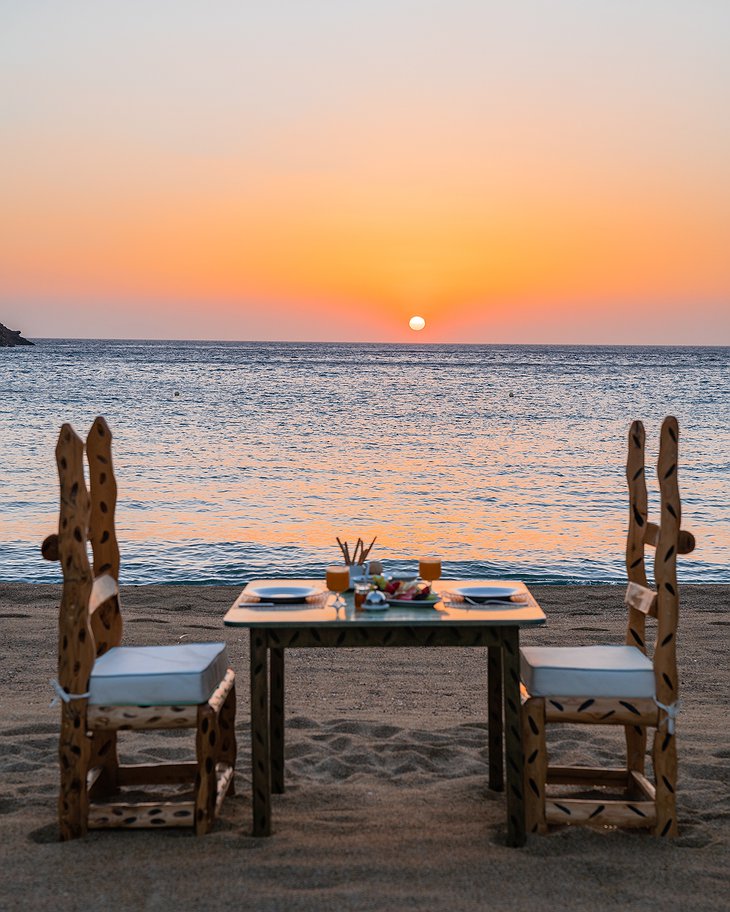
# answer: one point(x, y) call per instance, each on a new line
point(10, 337)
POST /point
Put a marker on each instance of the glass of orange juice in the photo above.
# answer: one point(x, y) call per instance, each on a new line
point(338, 581)
point(429, 569)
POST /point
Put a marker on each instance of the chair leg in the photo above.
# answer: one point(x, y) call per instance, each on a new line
point(495, 731)
point(535, 781)
point(227, 727)
point(73, 753)
point(665, 774)
point(206, 781)
point(635, 753)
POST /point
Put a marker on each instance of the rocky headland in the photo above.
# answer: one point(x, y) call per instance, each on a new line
point(11, 337)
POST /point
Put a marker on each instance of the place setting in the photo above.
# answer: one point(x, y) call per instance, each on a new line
point(485, 596)
point(283, 597)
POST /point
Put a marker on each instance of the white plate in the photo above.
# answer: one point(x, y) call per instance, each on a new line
point(487, 593)
point(283, 594)
point(255, 606)
point(413, 603)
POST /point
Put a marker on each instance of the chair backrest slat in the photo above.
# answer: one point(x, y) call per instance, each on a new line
point(638, 511)
point(106, 623)
point(75, 640)
point(665, 565)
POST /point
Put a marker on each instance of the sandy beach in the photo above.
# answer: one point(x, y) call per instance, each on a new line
point(386, 804)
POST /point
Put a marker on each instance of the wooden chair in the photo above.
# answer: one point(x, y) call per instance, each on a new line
point(106, 688)
point(617, 685)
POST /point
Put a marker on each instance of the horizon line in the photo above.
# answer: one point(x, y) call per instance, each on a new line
point(375, 342)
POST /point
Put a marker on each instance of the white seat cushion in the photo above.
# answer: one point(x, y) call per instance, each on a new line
point(586, 671)
point(157, 675)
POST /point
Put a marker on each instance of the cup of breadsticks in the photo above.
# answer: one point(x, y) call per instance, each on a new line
point(357, 558)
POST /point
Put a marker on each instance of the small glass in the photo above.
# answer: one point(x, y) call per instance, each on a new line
point(338, 581)
point(362, 590)
point(429, 569)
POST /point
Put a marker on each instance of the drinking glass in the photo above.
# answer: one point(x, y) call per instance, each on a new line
point(362, 590)
point(429, 569)
point(338, 581)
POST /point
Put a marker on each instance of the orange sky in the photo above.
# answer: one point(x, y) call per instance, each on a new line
point(323, 174)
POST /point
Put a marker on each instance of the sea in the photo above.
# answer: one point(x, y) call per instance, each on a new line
point(245, 460)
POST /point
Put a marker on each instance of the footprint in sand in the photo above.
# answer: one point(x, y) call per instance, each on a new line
point(38, 790)
point(336, 743)
point(24, 731)
point(299, 751)
point(301, 722)
point(145, 621)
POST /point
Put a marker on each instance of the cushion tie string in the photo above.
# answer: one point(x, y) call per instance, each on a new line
point(672, 712)
point(62, 695)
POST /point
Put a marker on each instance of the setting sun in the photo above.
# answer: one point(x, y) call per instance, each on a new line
point(417, 323)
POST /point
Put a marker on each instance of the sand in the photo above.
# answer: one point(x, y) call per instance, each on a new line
point(386, 804)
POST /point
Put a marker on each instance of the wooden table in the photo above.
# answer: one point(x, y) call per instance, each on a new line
point(273, 630)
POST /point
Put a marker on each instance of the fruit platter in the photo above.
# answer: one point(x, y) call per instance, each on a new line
point(405, 593)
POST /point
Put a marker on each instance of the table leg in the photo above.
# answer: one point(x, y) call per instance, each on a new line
point(494, 697)
point(516, 835)
point(276, 719)
point(260, 754)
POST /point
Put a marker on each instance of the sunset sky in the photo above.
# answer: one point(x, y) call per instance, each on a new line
point(547, 171)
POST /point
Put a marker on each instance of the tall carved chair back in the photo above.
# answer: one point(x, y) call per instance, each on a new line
point(90, 632)
point(668, 540)
point(620, 685)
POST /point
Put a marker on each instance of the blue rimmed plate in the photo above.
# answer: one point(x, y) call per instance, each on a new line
point(483, 594)
point(282, 595)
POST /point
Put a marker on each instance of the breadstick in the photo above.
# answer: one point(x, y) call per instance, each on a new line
point(367, 550)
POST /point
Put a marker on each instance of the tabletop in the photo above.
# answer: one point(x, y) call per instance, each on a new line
point(524, 611)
